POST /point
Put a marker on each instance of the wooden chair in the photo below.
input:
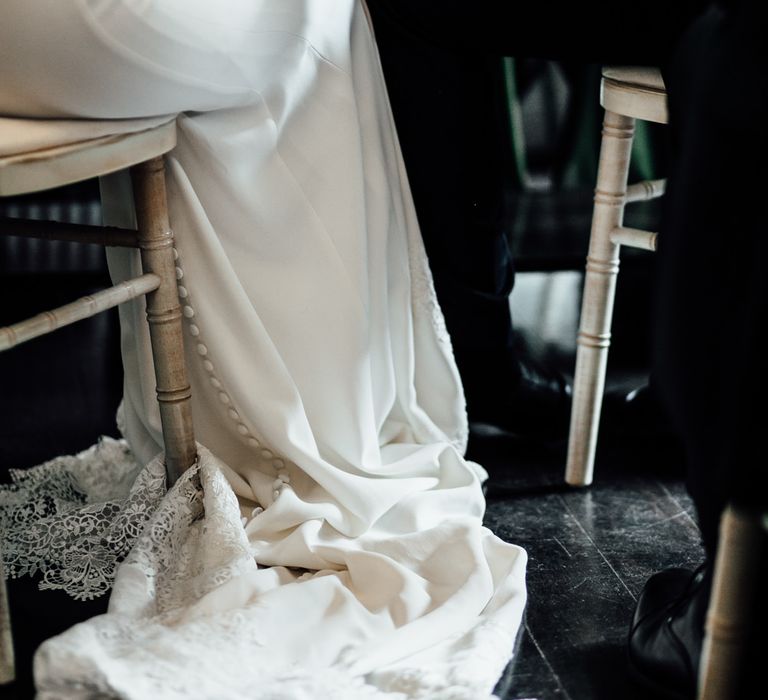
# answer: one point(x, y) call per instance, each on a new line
point(732, 602)
point(626, 94)
point(40, 154)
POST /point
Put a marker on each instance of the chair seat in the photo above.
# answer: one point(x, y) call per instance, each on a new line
point(40, 154)
point(634, 92)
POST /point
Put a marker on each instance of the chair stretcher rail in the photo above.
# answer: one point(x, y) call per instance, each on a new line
point(80, 233)
point(84, 307)
point(634, 238)
point(646, 190)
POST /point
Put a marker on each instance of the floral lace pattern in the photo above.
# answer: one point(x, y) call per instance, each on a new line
point(76, 518)
point(215, 674)
point(424, 305)
point(191, 544)
point(480, 654)
point(73, 519)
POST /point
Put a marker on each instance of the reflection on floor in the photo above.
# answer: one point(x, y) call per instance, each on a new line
point(590, 550)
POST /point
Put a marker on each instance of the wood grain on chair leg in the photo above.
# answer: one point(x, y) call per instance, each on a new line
point(7, 663)
point(731, 604)
point(597, 305)
point(164, 316)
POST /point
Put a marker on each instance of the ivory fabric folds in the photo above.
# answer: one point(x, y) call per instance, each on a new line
point(329, 543)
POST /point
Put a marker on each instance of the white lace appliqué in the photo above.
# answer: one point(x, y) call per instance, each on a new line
point(73, 519)
point(76, 518)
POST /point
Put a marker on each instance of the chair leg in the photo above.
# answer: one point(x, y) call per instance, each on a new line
point(164, 317)
point(602, 268)
point(7, 662)
point(731, 604)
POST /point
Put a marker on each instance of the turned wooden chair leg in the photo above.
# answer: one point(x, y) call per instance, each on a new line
point(602, 268)
point(7, 662)
point(731, 604)
point(164, 316)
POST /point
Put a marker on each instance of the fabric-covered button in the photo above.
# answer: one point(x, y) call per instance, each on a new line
point(266, 454)
point(242, 429)
point(208, 366)
point(183, 293)
point(201, 349)
point(233, 414)
point(188, 311)
point(194, 330)
point(253, 442)
point(179, 273)
point(224, 398)
point(215, 383)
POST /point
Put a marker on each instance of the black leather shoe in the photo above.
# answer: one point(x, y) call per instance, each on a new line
point(637, 413)
point(667, 630)
point(517, 394)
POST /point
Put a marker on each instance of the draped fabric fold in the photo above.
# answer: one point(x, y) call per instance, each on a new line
point(331, 535)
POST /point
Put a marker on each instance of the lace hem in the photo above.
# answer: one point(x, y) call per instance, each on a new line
point(75, 518)
point(424, 304)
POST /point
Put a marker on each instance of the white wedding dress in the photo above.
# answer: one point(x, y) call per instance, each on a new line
point(329, 543)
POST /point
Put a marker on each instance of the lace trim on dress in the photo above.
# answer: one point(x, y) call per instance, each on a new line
point(424, 303)
point(74, 518)
point(192, 543)
point(478, 655)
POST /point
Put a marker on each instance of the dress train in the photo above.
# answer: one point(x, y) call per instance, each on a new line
point(329, 542)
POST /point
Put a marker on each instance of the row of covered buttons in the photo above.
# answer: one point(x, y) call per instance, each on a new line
point(282, 478)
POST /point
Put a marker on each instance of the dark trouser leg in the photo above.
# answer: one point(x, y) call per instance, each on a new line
point(712, 311)
point(442, 65)
point(713, 286)
point(449, 113)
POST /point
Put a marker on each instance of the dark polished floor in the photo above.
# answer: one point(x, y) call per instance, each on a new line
point(590, 550)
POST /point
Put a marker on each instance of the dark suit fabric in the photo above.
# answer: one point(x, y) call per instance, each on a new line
point(441, 65)
point(713, 258)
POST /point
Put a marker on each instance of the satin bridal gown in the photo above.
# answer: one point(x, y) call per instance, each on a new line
point(329, 544)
